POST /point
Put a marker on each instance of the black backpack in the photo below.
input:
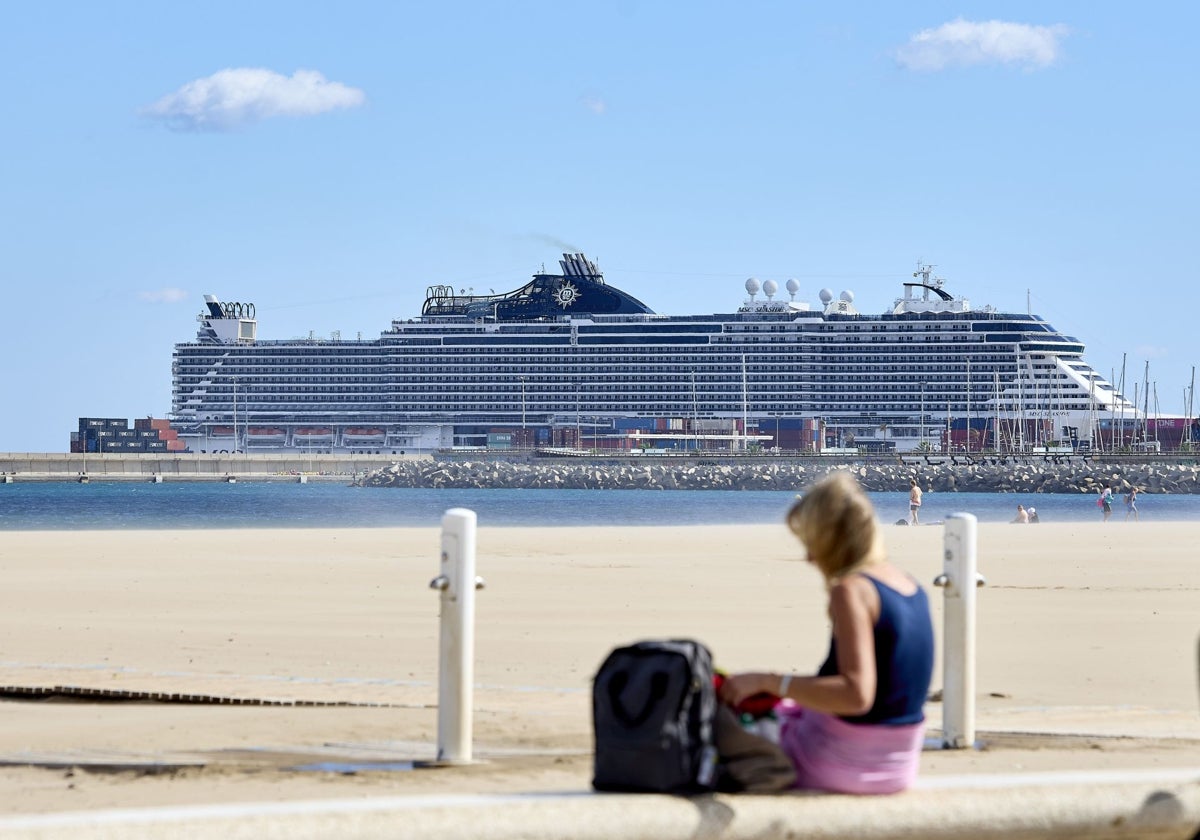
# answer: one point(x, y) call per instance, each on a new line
point(653, 705)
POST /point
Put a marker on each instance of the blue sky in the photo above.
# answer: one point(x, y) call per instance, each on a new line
point(329, 162)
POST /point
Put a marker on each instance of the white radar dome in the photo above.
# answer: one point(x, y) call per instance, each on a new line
point(770, 287)
point(793, 285)
point(825, 295)
point(752, 286)
point(848, 296)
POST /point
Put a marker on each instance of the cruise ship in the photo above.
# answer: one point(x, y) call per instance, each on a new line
point(569, 361)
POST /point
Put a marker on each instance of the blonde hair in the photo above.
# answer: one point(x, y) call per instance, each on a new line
point(836, 522)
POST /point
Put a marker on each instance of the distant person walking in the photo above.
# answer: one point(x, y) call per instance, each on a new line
point(914, 501)
point(1131, 504)
point(1104, 502)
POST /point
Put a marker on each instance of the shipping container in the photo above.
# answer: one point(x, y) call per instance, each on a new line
point(565, 437)
point(786, 423)
point(176, 446)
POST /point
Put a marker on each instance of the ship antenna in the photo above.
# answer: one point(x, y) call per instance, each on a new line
point(923, 271)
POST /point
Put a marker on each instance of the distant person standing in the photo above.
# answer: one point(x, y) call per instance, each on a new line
point(1131, 504)
point(1105, 502)
point(914, 500)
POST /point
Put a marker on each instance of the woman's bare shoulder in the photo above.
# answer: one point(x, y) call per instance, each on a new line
point(889, 576)
point(894, 578)
point(854, 589)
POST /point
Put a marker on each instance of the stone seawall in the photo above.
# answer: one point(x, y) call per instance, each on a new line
point(987, 476)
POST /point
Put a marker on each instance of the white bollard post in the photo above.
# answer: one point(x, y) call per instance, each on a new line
point(958, 662)
point(456, 649)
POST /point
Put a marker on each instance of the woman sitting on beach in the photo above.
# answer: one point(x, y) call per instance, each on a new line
point(857, 726)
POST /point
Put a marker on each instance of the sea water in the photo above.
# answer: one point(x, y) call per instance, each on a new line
point(250, 504)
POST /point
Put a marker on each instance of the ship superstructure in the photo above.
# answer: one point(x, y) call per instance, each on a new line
point(570, 360)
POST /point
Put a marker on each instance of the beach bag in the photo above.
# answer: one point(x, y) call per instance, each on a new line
point(653, 706)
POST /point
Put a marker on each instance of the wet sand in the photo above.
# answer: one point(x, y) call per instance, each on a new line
point(1087, 651)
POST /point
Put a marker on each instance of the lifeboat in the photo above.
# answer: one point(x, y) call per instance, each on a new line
point(313, 432)
point(265, 433)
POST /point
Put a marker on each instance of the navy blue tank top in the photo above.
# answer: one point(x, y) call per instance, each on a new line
point(903, 657)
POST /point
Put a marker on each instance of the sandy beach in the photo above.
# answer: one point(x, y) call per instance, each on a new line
point(1087, 651)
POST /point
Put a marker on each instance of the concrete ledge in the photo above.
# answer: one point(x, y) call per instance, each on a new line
point(1154, 805)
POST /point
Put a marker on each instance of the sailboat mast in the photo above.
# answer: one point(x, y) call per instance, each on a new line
point(745, 410)
point(996, 429)
point(1146, 403)
point(1121, 391)
point(968, 405)
point(1190, 416)
point(946, 445)
point(1133, 437)
point(1156, 412)
point(1092, 410)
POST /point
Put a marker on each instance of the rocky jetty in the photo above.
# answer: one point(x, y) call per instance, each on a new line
point(986, 475)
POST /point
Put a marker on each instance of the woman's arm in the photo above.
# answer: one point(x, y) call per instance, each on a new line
point(853, 606)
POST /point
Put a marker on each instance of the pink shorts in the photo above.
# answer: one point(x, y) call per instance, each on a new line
point(833, 755)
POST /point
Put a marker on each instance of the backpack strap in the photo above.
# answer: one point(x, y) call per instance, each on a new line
point(658, 690)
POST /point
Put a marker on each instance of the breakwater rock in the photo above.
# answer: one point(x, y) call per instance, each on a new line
point(996, 475)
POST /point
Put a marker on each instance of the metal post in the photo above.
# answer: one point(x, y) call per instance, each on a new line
point(522, 410)
point(235, 429)
point(958, 663)
point(921, 434)
point(456, 650)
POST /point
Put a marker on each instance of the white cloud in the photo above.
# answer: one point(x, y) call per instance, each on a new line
point(963, 43)
point(166, 295)
point(236, 97)
point(595, 104)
